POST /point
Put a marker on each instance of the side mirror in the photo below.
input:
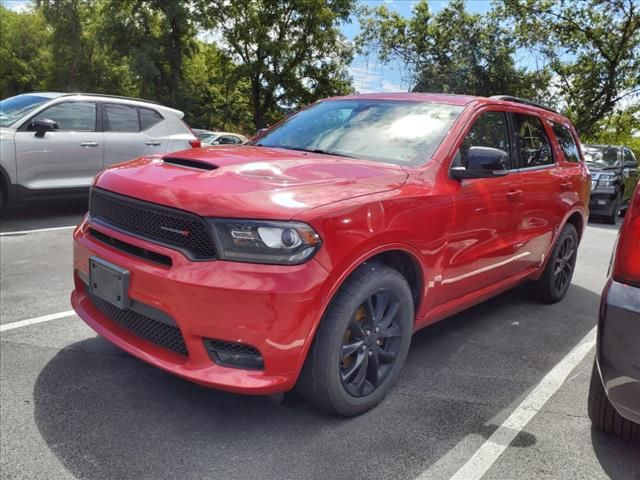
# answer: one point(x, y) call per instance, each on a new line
point(43, 126)
point(482, 162)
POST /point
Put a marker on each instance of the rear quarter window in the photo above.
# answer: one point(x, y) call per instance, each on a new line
point(149, 118)
point(567, 143)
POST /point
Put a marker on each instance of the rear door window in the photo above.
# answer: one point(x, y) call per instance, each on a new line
point(71, 116)
point(567, 143)
point(489, 130)
point(532, 144)
point(120, 118)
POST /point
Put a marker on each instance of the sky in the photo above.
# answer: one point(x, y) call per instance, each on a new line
point(368, 74)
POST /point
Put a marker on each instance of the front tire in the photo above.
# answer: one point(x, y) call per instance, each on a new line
point(361, 343)
point(613, 217)
point(602, 414)
point(556, 278)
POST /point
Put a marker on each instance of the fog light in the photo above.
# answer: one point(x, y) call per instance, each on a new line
point(231, 354)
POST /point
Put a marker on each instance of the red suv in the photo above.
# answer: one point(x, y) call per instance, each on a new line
point(309, 256)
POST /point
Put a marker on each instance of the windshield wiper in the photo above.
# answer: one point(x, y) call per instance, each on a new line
point(317, 150)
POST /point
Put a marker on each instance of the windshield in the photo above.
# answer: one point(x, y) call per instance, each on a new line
point(604, 157)
point(14, 108)
point(400, 132)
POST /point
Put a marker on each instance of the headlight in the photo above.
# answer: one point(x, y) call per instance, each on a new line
point(279, 243)
point(606, 180)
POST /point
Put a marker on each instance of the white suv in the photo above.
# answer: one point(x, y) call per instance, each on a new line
point(55, 143)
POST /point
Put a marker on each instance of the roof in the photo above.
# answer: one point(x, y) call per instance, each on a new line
point(446, 98)
point(454, 99)
point(53, 95)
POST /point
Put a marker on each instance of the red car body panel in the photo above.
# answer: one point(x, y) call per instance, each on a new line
point(470, 240)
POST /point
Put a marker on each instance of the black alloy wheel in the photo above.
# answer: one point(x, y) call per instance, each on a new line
point(361, 343)
point(564, 264)
point(554, 282)
point(372, 342)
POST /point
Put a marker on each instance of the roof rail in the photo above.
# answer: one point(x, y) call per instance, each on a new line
point(112, 96)
point(509, 98)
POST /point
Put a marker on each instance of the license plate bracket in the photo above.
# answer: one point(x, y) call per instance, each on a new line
point(109, 282)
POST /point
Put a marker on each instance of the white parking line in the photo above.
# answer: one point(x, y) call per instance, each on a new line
point(33, 321)
point(496, 444)
point(37, 230)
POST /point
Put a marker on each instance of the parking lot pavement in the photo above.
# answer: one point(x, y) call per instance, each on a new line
point(43, 214)
point(74, 406)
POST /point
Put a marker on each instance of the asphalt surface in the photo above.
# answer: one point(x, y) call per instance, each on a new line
point(74, 406)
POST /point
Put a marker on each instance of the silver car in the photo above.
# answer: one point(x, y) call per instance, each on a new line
point(55, 143)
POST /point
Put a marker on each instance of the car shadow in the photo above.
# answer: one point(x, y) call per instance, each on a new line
point(43, 214)
point(107, 415)
point(610, 451)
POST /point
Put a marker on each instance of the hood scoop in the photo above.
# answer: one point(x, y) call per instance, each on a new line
point(190, 163)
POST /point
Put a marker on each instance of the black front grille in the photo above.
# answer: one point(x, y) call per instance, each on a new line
point(160, 333)
point(171, 227)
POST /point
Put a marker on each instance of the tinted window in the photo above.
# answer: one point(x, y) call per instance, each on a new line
point(149, 118)
point(121, 118)
point(532, 143)
point(629, 158)
point(567, 143)
point(78, 116)
point(402, 132)
point(227, 140)
point(489, 130)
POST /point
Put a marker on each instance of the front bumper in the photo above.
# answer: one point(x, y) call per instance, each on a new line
point(602, 203)
point(618, 353)
point(272, 308)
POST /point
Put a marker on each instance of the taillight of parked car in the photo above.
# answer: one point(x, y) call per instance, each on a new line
point(195, 143)
point(626, 268)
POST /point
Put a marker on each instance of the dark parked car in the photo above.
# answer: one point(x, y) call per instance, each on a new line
point(614, 174)
point(614, 396)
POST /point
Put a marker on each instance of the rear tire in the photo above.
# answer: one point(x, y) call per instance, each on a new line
point(556, 278)
point(361, 343)
point(604, 416)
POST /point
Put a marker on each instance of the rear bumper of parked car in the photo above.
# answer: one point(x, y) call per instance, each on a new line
point(602, 203)
point(271, 310)
point(618, 353)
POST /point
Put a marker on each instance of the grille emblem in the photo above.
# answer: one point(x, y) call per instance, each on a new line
point(184, 233)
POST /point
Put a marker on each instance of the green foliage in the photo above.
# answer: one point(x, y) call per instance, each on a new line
point(291, 52)
point(620, 128)
point(24, 52)
point(452, 51)
point(592, 46)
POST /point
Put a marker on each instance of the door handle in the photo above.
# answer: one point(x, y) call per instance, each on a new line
point(513, 194)
point(152, 143)
point(566, 186)
point(88, 144)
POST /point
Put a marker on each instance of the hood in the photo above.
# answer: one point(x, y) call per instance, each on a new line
point(248, 181)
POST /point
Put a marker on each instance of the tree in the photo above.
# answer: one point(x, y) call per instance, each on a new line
point(291, 51)
point(592, 46)
point(154, 38)
point(452, 51)
point(218, 97)
point(24, 52)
